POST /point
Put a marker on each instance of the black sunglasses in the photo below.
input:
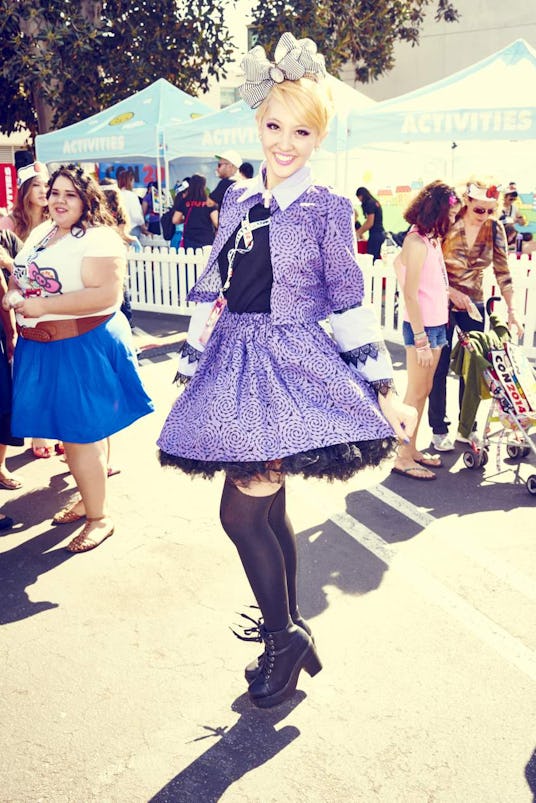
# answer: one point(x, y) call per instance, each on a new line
point(479, 210)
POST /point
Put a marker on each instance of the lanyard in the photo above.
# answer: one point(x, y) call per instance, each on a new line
point(42, 244)
point(245, 232)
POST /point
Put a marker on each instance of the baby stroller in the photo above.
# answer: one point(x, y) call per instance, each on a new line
point(509, 380)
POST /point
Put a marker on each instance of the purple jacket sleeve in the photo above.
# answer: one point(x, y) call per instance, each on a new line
point(342, 274)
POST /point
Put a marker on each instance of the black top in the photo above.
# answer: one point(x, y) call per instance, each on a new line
point(198, 226)
point(373, 208)
point(217, 194)
point(251, 284)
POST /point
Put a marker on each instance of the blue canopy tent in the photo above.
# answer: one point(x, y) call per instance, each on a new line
point(490, 101)
point(132, 130)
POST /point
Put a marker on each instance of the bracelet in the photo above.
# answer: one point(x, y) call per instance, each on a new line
point(421, 340)
point(416, 334)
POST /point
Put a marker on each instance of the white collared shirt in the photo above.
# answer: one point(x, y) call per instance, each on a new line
point(284, 193)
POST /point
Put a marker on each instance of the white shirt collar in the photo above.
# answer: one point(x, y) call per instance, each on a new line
point(284, 193)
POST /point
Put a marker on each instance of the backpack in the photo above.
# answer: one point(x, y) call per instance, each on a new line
point(168, 227)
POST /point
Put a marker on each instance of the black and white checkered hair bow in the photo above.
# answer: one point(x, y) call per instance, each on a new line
point(293, 59)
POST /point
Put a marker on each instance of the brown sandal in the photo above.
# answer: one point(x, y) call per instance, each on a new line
point(68, 514)
point(84, 542)
point(9, 482)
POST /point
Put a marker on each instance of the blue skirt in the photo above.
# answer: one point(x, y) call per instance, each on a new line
point(81, 389)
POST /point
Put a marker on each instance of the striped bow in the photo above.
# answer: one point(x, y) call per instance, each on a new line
point(293, 59)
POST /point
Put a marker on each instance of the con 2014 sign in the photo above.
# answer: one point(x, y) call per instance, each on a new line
point(476, 123)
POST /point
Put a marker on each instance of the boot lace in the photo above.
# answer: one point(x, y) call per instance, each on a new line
point(252, 632)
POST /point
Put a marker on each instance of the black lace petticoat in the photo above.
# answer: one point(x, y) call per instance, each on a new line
point(338, 462)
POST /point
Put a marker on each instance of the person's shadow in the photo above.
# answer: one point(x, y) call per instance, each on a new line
point(252, 741)
point(530, 775)
point(329, 556)
point(21, 566)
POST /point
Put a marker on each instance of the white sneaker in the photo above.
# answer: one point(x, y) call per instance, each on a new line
point(462, 439)
point(442, 443)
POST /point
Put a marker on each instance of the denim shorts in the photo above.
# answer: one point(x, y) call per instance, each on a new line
point(437, 335)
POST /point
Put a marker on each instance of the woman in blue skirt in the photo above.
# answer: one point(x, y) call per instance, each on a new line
point(273, 394)
point(75, 376)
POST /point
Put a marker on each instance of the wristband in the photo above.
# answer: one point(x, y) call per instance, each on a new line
point(417, 334)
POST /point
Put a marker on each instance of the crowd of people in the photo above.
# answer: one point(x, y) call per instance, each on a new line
point(267, 391)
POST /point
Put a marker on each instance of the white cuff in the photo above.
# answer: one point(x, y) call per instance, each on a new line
point(361, 345)
point(193, 348)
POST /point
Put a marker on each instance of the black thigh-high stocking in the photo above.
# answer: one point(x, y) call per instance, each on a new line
point(245, 520)
point(280, 524)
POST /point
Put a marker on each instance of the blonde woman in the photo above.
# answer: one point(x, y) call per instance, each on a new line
point(273, 394)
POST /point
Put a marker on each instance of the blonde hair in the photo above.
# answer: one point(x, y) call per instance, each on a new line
point(306, 98)
point(21, 214)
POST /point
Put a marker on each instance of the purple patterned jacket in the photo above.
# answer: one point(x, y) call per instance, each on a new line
point(315, 272)
point(313, 253)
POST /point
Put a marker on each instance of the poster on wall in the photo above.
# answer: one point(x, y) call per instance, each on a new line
point(8, 185)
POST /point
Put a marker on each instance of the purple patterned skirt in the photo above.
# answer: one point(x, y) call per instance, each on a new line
point(265, 393)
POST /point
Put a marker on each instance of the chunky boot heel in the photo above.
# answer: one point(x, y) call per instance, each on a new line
point(254, 667)
point(287, 652)
point(312, 663)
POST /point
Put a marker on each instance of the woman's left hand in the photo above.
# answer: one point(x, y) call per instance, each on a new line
point(513, 320)
point(401, 416)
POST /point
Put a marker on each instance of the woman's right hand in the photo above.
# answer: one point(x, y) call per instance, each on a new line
point(459, 300)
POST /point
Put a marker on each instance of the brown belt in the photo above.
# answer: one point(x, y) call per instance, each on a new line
point(46, 331)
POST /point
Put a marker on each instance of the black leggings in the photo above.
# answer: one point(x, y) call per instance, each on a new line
point(437, 400)
point(260, 529)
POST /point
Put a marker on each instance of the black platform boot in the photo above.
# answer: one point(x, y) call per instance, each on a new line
point(287, 652)
point(254, 667)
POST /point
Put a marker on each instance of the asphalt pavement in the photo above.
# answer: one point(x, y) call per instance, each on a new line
point(122, 682)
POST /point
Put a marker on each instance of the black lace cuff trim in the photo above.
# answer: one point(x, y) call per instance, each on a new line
point(362, 353)
point(383, 386)
point(181, 379)
point(192, 355)
point(346, 309)
point(190, 352)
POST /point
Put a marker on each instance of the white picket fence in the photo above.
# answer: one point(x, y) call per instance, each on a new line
point(160, 279)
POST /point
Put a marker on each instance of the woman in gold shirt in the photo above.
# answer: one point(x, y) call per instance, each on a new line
point(476, 242)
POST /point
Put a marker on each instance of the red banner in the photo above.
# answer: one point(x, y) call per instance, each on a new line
point(8, 185)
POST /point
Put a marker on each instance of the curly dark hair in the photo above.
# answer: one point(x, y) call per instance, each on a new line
point(429, 210)
point(95, 210)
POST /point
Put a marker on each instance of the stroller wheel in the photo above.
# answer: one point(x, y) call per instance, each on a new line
point(531, 484)
point(483, 457)
point(470, 459)
point(514, 451)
